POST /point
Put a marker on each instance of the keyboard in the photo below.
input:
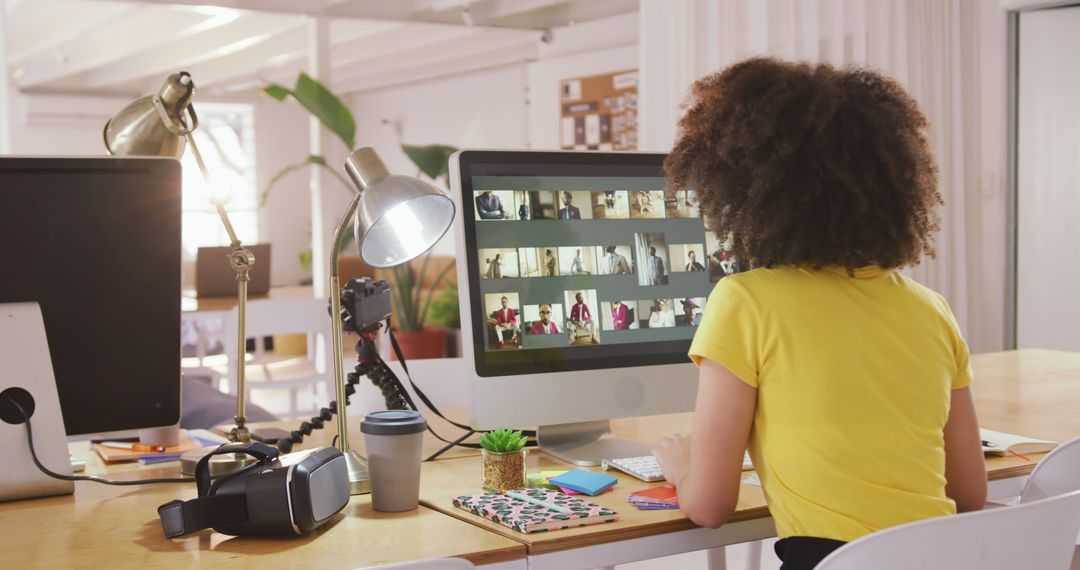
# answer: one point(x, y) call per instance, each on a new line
point(647, 468)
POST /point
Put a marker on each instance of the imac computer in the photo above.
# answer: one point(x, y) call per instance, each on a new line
point(95, 243)
point(582, 281)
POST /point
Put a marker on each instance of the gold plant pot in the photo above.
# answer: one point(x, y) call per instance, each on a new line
point(503, 471)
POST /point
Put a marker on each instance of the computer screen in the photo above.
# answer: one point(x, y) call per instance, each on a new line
point(96, 242)
point(584, 266)
point(582, 281)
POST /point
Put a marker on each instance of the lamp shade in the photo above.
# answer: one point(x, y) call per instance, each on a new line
point(154, 125)
point(398, 217)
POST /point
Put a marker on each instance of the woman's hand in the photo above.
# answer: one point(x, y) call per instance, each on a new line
point(673, 454)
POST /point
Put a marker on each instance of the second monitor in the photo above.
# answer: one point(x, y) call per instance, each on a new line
point(583, 280)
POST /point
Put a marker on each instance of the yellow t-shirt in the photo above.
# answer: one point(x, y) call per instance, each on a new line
point(853, 377)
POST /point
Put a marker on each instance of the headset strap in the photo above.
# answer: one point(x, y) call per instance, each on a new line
point(181, 517)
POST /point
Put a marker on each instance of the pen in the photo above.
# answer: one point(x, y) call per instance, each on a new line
point(988, 443)
point(134, 446)
point(538, 502)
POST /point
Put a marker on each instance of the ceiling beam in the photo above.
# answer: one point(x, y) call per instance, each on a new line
point(196, 46)
point(105, 43)
point(40, 29)
point(516, 14)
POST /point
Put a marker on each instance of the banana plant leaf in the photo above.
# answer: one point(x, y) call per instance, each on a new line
point(433, 160)
point(322, 103)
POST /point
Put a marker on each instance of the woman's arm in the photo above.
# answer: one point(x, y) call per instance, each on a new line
point(707, 468)
point(965, 467)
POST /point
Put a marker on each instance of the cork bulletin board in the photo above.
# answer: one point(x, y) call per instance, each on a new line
point(600, 112)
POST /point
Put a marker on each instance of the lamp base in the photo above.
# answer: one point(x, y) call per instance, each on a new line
point(359, 478)
point(219, 464)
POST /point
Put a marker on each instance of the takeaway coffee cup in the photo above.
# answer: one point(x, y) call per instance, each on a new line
point(393, 439)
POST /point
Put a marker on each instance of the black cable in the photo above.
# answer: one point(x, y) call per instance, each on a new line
point(95, 479)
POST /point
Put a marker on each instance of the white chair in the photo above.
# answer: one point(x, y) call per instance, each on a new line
point(267, 370)
point(1058, 473)
point(432, 564)
point(1039, 535)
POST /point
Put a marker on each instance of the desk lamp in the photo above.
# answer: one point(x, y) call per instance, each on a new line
point(397, 219)
point(155, 125)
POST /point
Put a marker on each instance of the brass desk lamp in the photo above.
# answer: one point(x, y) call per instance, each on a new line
point(155, 125)
point(397, 219)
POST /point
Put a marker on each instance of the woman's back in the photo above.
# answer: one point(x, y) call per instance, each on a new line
point(854, 376)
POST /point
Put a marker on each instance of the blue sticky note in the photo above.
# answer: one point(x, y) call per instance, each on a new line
point(588, 482)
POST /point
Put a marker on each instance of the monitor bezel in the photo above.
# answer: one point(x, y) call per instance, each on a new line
point(548, 360)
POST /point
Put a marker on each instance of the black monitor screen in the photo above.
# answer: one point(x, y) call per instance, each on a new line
point(96, 242)
point(580, 261)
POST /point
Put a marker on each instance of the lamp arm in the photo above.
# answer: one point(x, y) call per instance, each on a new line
point(242, 261)
point(335, 316)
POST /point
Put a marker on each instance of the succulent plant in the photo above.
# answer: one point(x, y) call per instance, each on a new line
point(503, 441)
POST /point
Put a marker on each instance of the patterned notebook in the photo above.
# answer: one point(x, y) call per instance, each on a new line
point(526, 517)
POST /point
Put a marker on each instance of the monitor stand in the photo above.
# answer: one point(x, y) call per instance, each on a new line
point(586, 443)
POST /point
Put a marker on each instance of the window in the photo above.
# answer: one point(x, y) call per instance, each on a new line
point(226, 139)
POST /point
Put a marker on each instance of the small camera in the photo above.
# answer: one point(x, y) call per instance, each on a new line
point(364, 304)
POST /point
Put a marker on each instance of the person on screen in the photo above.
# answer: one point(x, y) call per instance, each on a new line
point(577, 267)
point(825, 342)
point(506, 322)
point(660, 316)
point(523, 211)
point(494, 270)
point(551, 268)
point(490, 207)
point(619, 316)
point(580, 313)
point(617, 264)
point(692, 319)
point(545, 325)
point(693, 264)
point(569, 211)
point(655, 267)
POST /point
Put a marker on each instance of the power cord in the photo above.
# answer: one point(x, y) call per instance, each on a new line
point(95, 479)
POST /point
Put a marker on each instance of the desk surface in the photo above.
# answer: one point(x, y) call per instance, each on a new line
point(102, 525)
point(1027, 392)
point(1030, 392)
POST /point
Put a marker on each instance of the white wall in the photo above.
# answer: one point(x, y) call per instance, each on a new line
point(480, 109)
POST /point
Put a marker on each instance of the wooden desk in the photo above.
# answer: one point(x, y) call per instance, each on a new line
point(107, 526)
point(1029, 392)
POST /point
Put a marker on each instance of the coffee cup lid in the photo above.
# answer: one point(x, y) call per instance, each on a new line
point(393, 422)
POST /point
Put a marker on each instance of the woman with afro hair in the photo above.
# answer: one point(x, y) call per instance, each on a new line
point(847, 381)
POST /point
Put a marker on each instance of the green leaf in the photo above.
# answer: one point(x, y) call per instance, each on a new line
point(276, 91)
point(322, 103)
point(305, 260)
point(433, 160)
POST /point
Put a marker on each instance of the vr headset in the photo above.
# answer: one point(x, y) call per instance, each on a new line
point(264, 499)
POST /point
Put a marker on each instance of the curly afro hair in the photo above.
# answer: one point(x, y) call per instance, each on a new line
point(809, 165)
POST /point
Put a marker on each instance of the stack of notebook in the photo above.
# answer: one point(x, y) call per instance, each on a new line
point(655, 499)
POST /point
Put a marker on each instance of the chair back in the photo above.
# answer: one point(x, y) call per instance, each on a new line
point(1040, 534)
point(267, 317)
point(1058, 473)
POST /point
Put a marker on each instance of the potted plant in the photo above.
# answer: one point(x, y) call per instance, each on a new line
point(335, 116)
point(503, 459)
point(412, 305)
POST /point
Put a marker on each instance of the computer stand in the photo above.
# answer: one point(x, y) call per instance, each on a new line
point(586, 443)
